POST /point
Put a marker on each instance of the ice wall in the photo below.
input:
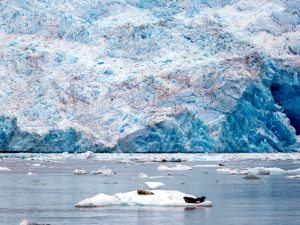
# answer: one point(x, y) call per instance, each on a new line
point(149, 76)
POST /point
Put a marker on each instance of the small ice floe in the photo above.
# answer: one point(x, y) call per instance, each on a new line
point(103, 171)
point(293, 177)
point(135, 198)
point(145, 176)
point(31, 174)
point(79, 172)
point(257, 171)
point(206, 166)
point(88, 155)
point(142, 175)
point(154, 185)
point(26, 222)
point(34, 165)
point(271, 170)
point(233, 171)
point(4, 168)
point(174, 168)
point(263, 171)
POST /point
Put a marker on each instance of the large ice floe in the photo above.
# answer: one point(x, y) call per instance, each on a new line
point(158, 198)
point(149, 76)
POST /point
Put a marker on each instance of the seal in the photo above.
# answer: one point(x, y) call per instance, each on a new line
point(194, 200)
point(144, 192)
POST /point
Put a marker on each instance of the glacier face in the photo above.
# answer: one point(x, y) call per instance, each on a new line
point(149, 75)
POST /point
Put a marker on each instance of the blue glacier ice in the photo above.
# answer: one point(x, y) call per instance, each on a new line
point(149, 76)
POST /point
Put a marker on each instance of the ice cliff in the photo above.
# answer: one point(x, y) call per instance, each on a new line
point(149, 75)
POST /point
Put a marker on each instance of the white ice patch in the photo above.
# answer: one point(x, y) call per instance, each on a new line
point(142, 175)
point(79, 172)
point(146, 176)
point(31, 174)
point(24, 222)
point(257, 170)
point(3, 168)
point(159, 198)
point(154, 185)
point(174, 167)
point(34, 165)
point(103, 171)
point(206, 166)
point(88, 155)
point(293, 177)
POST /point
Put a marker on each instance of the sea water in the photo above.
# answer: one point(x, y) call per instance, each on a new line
point(50, 194)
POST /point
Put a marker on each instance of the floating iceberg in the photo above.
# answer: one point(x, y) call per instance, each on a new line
point(159, 198)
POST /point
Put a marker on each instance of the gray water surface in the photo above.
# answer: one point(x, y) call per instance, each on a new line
point(50, 196)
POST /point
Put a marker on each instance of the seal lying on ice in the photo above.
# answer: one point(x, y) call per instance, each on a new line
point(144, 192)
point(194, 200)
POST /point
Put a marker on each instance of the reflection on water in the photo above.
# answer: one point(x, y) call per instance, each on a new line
point(50, 196)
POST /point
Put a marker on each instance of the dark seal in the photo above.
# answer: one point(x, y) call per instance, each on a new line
point(194, 200)
point(144, 192)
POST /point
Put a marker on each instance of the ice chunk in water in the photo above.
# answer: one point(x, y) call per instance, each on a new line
point(159, 198)
point(154, 185)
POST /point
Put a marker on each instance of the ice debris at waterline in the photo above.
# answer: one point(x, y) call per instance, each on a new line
point(149, 76)
point(158, 198)
point(153, 157)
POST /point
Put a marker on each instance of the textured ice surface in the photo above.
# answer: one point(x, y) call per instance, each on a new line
point(149, 76)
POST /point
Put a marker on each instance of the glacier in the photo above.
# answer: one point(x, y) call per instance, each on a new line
point(156, 76)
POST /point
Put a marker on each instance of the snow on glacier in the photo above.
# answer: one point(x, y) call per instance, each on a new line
point(149, 76)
